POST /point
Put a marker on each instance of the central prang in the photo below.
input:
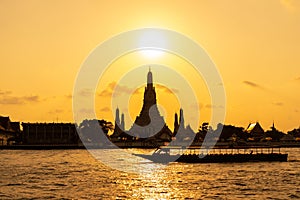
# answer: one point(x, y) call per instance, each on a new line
point(150, 123)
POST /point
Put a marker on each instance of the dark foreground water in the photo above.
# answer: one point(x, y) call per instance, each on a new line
point(75, 174)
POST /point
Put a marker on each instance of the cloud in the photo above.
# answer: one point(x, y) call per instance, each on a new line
point(138, 91)
point(112, 85)
point(13, 100)
point(297, 79)
point(105, 109)
point(208, 106)
point(8, 100)
point(105, 93)
point(117, 90)
point(278, 103)
point(31, 98)
point(86, 111)
point(69, 96)
point(5, 92)
point(56, 111)
point(196, 106)
point(86, 92)
point(122, 89)
point(167, 90)
point(253, 85)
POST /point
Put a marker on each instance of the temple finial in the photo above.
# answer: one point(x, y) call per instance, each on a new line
point(149, 77)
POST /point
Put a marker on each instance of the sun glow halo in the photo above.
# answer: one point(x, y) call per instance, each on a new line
point(151, 53)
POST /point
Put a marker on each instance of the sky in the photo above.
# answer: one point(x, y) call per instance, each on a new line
point(254, 44)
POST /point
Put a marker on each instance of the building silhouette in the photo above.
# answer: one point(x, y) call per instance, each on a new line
point(182, 132)
point(119, 133)
point(9, 131)
point(149, 124)
point(49, 133)
point(255, 131)
point(176, 124)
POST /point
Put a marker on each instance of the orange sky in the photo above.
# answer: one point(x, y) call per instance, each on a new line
point(255, 45)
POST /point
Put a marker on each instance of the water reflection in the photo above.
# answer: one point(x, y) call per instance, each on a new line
point(75, 174)
point(123, 160)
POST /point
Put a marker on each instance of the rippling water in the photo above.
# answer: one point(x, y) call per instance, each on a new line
point(75, 174)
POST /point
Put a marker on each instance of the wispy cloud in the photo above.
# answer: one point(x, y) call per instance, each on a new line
point(6, 92)
point(253, 85)
point(278, 103)
point(69, 96)
point(115, 89)
point(56, 111)
point(167, 90)
point(196, 106)
point(31, 98)
point(297, 79)
point(138, 91)
point(8, 99)
point(105, 93)
point(105, 109)
point(86, 92)
point(86, 111)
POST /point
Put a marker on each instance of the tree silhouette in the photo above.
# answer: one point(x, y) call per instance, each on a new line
point(274, 134)
point(295, 132)
point(95, 131)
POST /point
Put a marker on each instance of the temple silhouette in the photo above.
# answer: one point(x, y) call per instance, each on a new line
point(148, 130)
point(149, 125)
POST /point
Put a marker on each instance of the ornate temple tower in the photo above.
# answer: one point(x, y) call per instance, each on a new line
point(149, 102)
point(176, 124)
point(117, 121)
point(181, 132)
point(122, 124)
point(149, 123)
point(119, 130)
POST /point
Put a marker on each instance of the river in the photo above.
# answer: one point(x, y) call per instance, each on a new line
point(76, 174)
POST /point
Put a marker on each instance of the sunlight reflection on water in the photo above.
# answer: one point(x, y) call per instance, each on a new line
point(122, 160)
point(75, 174)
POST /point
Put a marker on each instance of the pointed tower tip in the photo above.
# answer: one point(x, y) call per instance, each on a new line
point(149, 77)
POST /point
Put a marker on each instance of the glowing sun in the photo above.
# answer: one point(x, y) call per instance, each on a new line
point(150, 53)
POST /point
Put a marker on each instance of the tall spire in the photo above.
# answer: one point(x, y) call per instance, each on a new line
point(176, 124)
point(117, 116)
point(122, 126)
point(149, 77)
point(181, 118)
point(149, 123)
point(273, 126)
